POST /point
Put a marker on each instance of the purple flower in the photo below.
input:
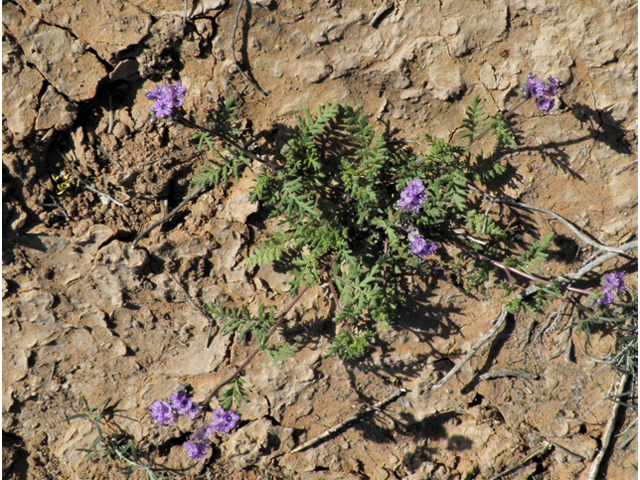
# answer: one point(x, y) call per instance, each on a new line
point(419, 245)
point(607, 298)
point(545, 104)
point(197, 449)
point(224, 421)
point(613, 283)
point(182, 404)
point(163, 413)
point(412, 197)
point(201, 434)
point(167, 98)
point(544, 92)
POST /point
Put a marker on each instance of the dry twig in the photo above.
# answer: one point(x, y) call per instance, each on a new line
point(486, 337)
point(233, 52)
point(540, 451)
point(170, 215)
point(608, 433)
point(328, 432)
point(569, 224)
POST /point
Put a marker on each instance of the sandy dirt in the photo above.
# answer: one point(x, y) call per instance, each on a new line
point(88, 315)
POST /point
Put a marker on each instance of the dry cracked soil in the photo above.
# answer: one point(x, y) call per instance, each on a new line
point(86, 314)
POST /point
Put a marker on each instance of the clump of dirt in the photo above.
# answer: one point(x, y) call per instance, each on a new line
point(88, 315)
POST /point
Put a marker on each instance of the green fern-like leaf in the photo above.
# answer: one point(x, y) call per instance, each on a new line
point(475, 121)
point(270, 250)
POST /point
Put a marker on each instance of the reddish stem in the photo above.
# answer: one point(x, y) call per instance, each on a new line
point(508, 269)
point(271, 331)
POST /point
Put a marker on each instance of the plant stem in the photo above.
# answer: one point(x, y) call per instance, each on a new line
point(271, 331)
point(528, 276)
point(188, 123)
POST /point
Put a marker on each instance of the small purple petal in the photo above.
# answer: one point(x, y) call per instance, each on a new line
point(545, 104)
point(419, 245)
point(606, 299)
point(197, 449)
point(615, 281)
point(167, 97)
point(180, 402)
point(163, 413)
point(223, 421)
point(412, 197)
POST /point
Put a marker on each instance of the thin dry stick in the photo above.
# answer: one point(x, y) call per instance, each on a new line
point(569, 224)
point(105, 195)
point(185, 13)
point(608, 434)
point(106, 154)
point(597, 262)
point(110, 128)
point(198, 307)
point(170, 215)
point(349, 420)
point(486, 218)
point(486, 337)
point(179, 152)
point(540, 451)
point(509, 372)
point(626, 167)
point(233, 52)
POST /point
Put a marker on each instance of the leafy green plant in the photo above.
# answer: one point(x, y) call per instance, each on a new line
point(360, 213)
point(114, 445)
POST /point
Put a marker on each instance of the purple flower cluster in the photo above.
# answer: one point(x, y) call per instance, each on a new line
point(223, 421)
point(419, 245)
point(180, 403)
point(167, 98)
point(165, 412)
point(412, 197)
point(544, 92)
point(613, 284)
point(162, 412)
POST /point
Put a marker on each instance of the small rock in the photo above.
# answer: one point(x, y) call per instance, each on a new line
point(313, 71)
point(119, 347)
point(34, 303)
point(195, 359)
point(239, 205)
point(551, 383)
point(552, 56)
point(450, 26)
point(19, 103)
point(55, 111)
point(344, 63)
point(623, 195)
point(120, 131)
point(411, 94)
point(488, 76)
point(93, 319)
point(614, 227)
point(277, 281)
